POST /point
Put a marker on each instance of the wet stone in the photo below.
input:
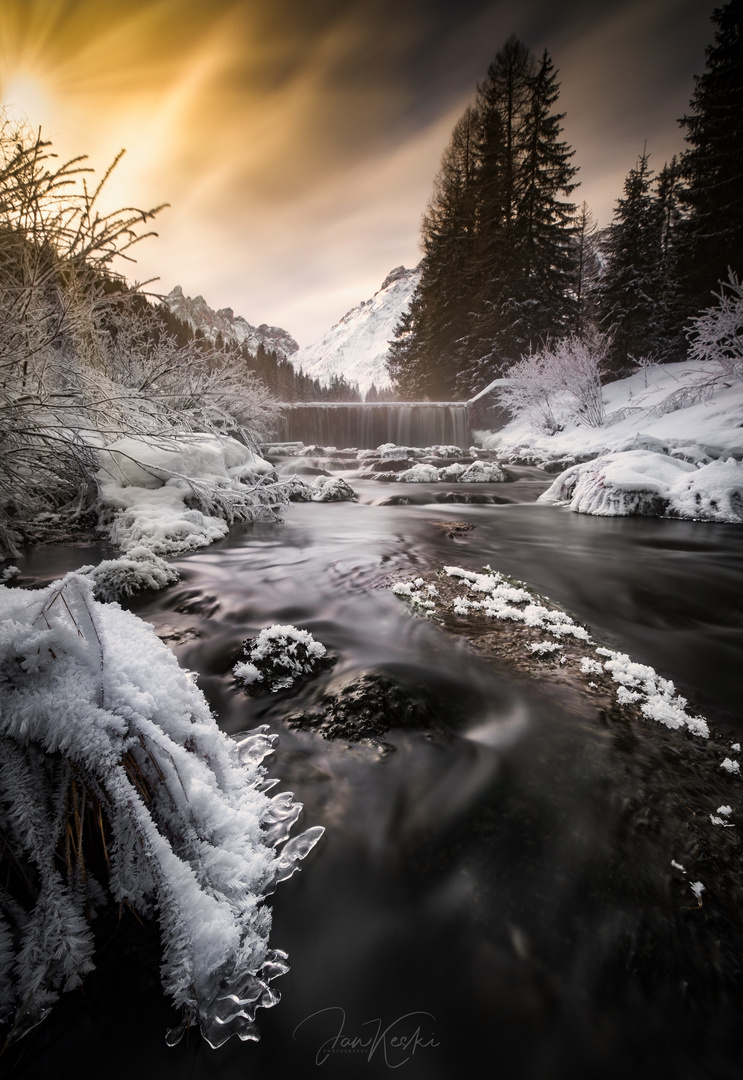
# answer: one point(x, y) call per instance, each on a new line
point(366, 707)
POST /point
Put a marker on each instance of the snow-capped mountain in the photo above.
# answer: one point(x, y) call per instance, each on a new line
point(357, 346)
point(196, 312)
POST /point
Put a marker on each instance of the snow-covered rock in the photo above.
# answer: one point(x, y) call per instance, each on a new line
point(357, 346)
point(648, 483)
point(419, 474)
point(278, 657)
point(332, 489)
point(139, 569)
point(482, 472)
point(177, 494)
point(234, 328)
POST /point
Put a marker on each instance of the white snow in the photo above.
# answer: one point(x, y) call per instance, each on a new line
point(357, 346)
point(499, 598)
point(730, 766)
point(174, 495)
point(278, 657)
point(89, 687)
point(637, 418)
point(668, 446)
point(697, 888)
point(644, 482)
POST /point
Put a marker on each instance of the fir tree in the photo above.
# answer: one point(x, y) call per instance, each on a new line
point(713, 164)
point(630, 293)
point(420, 360)
point(497, 273)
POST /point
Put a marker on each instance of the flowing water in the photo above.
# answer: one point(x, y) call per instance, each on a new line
point(477, 897)
point(367, 425)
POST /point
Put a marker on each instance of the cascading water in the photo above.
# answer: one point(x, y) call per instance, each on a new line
point(365, 425)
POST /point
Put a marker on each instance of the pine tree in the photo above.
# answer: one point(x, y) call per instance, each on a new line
point(631, 289)
point(713, 164)
point(587, 268)
point(498, 267)
point(673, 308)
point(420, 361)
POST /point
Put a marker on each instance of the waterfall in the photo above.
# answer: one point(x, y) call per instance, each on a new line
point(365, 425)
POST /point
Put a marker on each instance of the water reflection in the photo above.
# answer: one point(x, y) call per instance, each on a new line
point(510, 878)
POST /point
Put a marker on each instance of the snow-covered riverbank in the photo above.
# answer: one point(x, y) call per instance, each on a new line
point(669, 447)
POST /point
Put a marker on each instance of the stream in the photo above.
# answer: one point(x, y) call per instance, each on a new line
point(478, 899)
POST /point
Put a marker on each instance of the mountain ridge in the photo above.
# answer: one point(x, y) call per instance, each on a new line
point(200, 316)
point(357, 346)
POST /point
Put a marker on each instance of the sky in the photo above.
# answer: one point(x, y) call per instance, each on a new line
point(296, 141)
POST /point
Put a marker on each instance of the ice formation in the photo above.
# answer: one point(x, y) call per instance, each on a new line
point(278, 657)
point(98, 716)
point(176, 495)
point(498, 597)
point(649, 483)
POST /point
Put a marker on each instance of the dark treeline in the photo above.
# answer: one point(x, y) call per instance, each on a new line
point(509, 261)
point(281, 378)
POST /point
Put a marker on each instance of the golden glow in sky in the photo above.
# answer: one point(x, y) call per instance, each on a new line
point(297, 141)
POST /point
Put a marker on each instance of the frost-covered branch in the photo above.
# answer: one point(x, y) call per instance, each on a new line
point(716, 341)
point(105, 744)
point(560, 382)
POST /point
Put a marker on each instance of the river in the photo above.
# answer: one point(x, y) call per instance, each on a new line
point(474, 893)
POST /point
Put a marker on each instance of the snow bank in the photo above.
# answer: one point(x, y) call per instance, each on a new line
point(648, 483)
point(98, 718)
point(655, 404)
point(175, 495)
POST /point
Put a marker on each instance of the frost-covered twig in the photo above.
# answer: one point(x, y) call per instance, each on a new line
point(90, 697)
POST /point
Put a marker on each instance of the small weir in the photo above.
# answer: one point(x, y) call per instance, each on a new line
point(365, 425)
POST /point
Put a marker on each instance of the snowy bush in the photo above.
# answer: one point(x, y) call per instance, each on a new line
point(106, 744)
point(645, 483)
point(83, 357)
point(716, 340)
point(139, 569)
point(278, 657)
point(560, 382)
point(716, 335)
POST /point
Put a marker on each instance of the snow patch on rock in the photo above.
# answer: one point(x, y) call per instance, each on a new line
point(647, 483)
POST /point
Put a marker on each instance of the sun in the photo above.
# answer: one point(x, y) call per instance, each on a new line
point(25, 96)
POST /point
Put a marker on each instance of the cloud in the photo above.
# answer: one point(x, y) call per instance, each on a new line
point(297, 142)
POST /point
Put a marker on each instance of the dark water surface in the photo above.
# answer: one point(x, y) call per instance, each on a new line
point(481, 900)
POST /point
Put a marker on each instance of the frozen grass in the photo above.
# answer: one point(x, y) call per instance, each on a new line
point(107, 744)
